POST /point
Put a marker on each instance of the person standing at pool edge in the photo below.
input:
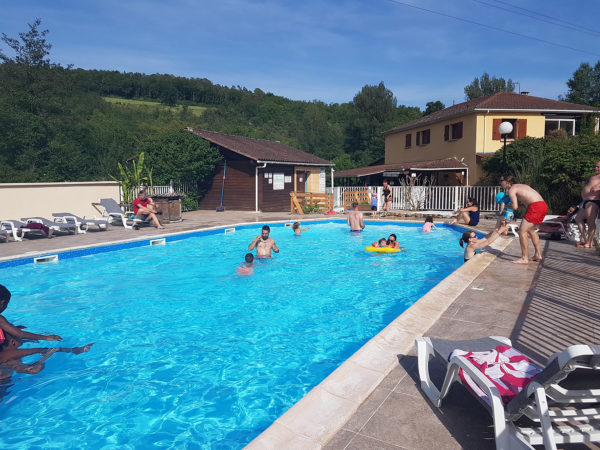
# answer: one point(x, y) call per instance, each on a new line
point(355, 218)
point(264, 244)
point(536, 211)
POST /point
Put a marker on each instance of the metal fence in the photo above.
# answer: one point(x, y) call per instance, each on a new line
point(427, 198)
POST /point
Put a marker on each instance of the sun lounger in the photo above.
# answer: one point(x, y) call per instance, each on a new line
point(115, 214)
point(54, 226)
point(82, 224)
point(4, 234)
point(530, 405)
point(19, 229)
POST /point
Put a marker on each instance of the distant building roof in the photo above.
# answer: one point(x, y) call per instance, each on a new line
point(261, 150)
point(500, 101)
point(437, 164)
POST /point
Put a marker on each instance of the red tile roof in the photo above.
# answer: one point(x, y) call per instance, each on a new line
point(260, 149)
point(437, 164)
point(500, 101)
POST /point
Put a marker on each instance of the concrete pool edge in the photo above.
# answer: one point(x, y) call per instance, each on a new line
point(321, 413)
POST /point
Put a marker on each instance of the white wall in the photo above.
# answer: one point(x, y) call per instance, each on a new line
point(19, 200)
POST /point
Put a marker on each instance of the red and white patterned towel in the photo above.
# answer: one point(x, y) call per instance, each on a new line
point(504, 366)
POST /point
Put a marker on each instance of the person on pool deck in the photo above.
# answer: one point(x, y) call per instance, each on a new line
point(7, 327)
point(144, 207)
point(469, 214)
point(536, 211)
point(392, 241)
point(297, 230)
point(248, 267)
point(387, 198)
point(264, 244)
point(473, 243)
point(590, 209)
point(355, 219)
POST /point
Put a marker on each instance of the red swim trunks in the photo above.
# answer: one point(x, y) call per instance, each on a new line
point(536, 212)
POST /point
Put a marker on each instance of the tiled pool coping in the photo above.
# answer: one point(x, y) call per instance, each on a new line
point(315, 418)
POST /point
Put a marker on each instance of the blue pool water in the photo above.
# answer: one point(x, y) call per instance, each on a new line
point(189, 354)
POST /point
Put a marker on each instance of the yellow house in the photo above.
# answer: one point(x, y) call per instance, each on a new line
point(468, 131)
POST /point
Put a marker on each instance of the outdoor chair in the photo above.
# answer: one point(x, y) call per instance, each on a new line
point(530, 405)
point(19, 229)
point(115, 214)
point(82, 224)
point(52, 225)
point(4, 234)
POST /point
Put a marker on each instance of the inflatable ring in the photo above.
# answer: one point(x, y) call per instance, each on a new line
point(383, 249)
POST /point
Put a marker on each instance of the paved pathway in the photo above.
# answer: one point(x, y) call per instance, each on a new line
point(543, 308)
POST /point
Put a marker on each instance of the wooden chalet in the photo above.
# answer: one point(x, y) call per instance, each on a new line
point(260, 175)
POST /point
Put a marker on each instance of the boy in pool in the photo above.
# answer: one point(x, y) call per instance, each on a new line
point(248, 267)
point(297, 229)
point(7, 327)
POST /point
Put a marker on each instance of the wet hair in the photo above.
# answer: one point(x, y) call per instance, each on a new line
point(473, 200)
point(382, 239)
point(395, 238)
point(429, 219)
point(249, 257)
point(354, 205)
point(509, 179)
point(296, 225)
point(266, 228)
point(4, 294)
point(465, 238)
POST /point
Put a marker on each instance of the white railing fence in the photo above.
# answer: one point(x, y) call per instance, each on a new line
point(174, 186)
point(427, 198)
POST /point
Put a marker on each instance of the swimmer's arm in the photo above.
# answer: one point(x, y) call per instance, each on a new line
point(362, 222)
point(304, 229)
point(513, 200)
point(18, 333)
point(275, 248)
point(434, 227)
point(253, 243)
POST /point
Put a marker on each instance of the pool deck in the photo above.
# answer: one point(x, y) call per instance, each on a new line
point(373, 400)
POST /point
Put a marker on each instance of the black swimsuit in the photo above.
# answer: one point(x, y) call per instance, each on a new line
point(387, 193)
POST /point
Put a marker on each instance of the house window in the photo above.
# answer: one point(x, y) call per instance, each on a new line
point(519, 129)
point(423, 137)
point(408, 140)
point(457, 130)
point(447, 133)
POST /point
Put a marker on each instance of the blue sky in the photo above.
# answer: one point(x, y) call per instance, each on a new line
point(323, 49)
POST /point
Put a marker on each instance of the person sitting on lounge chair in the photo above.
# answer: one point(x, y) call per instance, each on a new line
point(143, 207)
point(557, 224)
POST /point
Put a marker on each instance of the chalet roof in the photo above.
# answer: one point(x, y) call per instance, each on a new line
point(437, 164)
point(500, 101)
point(261, 150)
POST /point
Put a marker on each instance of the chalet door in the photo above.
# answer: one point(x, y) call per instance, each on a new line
point(300, 181)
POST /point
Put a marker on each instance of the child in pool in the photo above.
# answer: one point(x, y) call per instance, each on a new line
point(297, 229)
point(7, 327)
point(381, 243)
point(248, 267)
point(428, 225)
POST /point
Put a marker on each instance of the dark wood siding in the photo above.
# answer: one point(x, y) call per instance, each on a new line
point(239, 185)
point(269, 199)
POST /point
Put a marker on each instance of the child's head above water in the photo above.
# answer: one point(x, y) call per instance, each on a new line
point(429, 219)
point(249, 257)
point(4, 298)
point(296, 225)
point(382, 242)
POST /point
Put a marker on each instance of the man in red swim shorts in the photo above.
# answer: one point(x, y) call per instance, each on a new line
point(521, 194)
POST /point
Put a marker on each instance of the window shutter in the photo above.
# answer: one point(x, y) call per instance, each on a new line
point(447, 132)
point(521, 128)
point(418, 138)
point(495, 132)
point(408, 140)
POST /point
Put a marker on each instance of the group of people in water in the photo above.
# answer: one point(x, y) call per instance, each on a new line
point(11, 339)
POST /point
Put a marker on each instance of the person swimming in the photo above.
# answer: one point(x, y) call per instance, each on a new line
point(297, 230)
point(248, 267)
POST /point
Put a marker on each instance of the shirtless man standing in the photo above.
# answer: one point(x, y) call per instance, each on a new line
point(264, 244)
point(521, 194)
point(355, 218)
point(589, 210)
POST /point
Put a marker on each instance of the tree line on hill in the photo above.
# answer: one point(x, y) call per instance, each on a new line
point(56, 126)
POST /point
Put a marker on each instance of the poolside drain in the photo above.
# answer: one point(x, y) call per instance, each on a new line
point(229, 230)
point(161, 241)
point(45, 259)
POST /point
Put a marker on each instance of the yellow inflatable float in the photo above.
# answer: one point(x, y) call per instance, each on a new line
point(384, 249)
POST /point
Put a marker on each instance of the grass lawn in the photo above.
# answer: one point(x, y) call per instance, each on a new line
point(195, 110)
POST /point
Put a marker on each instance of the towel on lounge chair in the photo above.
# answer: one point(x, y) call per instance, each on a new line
point(37, 226)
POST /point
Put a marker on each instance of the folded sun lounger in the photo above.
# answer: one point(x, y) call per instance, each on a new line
point(530, 405)
point(54, 226)
point(81, 223)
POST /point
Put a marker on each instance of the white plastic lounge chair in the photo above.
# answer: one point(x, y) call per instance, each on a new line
point(544, 412)
point(19, 229)
point(81, 223)
point(55, 226)
point(114, 213)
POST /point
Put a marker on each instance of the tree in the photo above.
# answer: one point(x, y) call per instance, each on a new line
point(33, 48)
point(485, 85)
point(432, 107)
point(584, 87)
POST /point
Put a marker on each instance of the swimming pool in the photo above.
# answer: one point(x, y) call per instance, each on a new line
point(190, 353)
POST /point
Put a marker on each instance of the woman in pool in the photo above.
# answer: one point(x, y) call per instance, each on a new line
point(392, 241)
point(474, 244)
point(469, 214)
